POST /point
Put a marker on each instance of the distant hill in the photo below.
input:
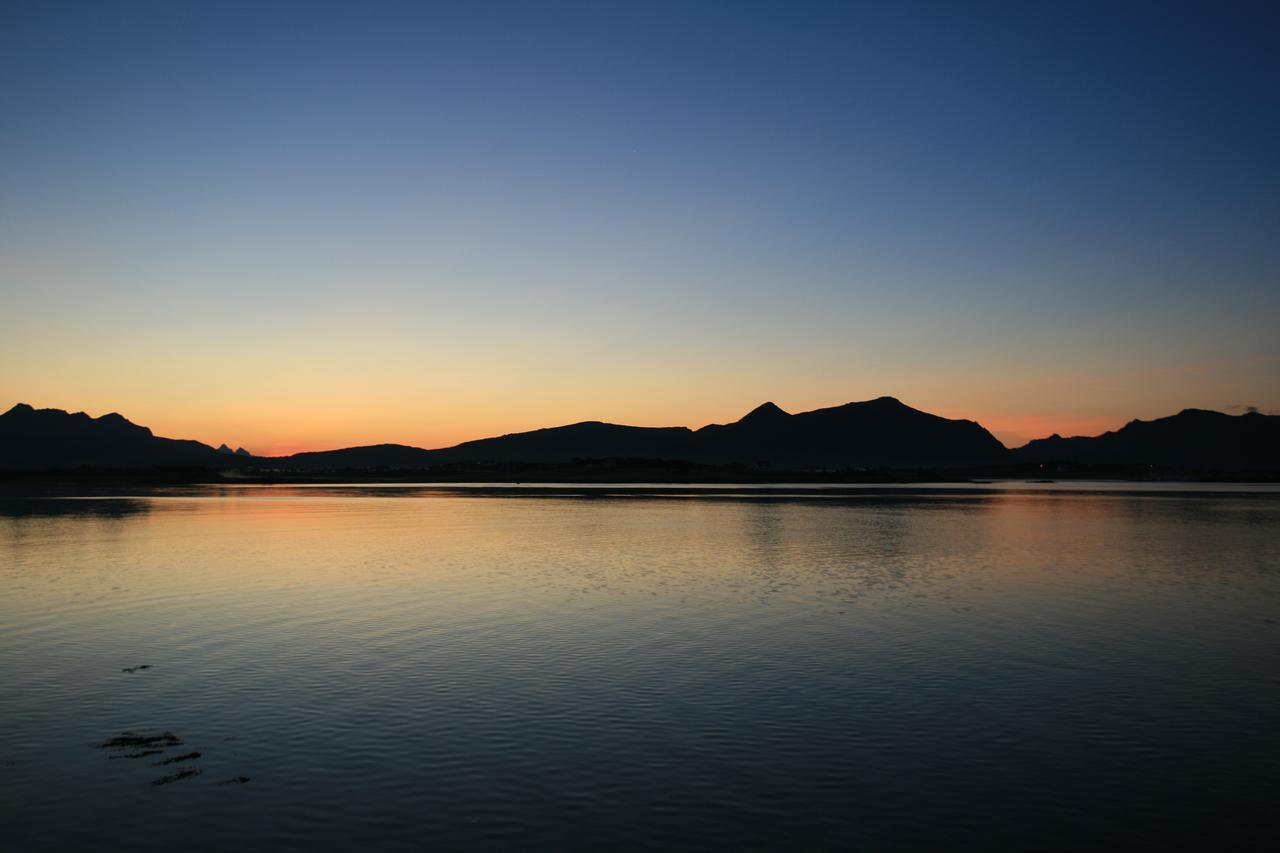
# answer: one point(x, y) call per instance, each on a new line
point(587, 440)
point(239, 451)
point(1193, 438)
point(371, 456)
point(35, 439)
point(590, 440)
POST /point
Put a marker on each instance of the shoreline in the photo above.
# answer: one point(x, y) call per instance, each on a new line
point(636, 476)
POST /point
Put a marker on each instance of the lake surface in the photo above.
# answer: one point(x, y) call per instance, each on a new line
point(397, 668)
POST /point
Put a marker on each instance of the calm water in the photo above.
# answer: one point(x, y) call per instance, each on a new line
point(395, 668)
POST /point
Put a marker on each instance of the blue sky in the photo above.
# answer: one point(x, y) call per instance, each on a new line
point(300, 225)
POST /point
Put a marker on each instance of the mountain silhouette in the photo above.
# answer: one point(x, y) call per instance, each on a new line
point(764, 413)
point(875, 433)
point(367, 456)
point(1193, 438)
point(882, 433)
point(52, 438)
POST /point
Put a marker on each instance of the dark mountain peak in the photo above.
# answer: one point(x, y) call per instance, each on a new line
point(1193, 439)
point(240, 451)
point(33, 438)
point(764, 412)
point(882, 432)
point(28, 417)
point(222, 448)
point(880, 405)
point(881, 409)
point(118, 423)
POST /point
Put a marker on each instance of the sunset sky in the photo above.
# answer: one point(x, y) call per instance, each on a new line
point(302, 226)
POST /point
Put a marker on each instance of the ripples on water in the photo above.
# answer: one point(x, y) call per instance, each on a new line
point(398, 668)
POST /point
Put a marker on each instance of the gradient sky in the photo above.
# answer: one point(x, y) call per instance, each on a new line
point(298, 226)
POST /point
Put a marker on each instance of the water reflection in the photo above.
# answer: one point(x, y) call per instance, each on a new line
point(27, 507)
point(976, 669)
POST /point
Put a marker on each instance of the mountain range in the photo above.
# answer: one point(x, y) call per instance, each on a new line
point(882, 433)
point(53, 439)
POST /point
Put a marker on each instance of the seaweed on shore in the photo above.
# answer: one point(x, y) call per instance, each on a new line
point(177, 777)
point(143, 754)
point(129, 739)
point(142, 745)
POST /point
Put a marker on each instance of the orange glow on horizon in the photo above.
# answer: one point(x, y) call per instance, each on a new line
point(1017, 430)
point(287, 436)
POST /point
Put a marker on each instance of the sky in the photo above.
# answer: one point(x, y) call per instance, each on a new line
point(312, 225)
